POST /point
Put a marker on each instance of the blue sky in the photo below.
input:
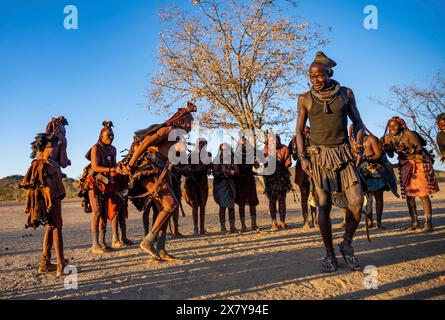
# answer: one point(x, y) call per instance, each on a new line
point(102, 70)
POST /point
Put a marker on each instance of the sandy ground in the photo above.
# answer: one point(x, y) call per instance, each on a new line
point(254, 265)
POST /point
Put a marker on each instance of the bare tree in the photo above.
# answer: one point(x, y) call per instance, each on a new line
point(242, 61)
point(420, 106)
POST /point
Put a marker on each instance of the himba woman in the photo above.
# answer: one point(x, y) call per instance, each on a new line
point(103, 195)
point(46, 191)
point(224, 190)
point(417, 178)
point(245, 183)
point(278, 184)
point(197, 184)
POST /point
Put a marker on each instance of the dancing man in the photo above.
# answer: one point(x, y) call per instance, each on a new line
point(330, 162)
point(149, 163)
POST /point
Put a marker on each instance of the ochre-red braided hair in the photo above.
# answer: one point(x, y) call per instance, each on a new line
point(399, 120)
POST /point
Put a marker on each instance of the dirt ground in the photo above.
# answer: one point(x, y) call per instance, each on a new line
point(254, 265)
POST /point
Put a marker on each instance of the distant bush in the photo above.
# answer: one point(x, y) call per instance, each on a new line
point(10, 191)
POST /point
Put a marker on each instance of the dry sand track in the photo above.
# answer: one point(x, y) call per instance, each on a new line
point(254, 265)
